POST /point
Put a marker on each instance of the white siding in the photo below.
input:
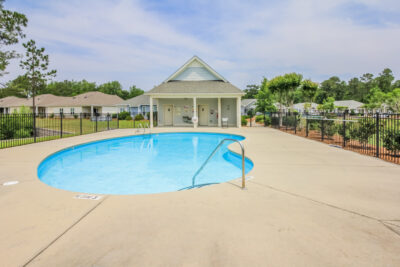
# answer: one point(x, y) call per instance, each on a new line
point(195, 72)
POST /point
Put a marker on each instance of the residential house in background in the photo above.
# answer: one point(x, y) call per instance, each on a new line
point(138, 105)
point(248, 104)
point(300, 107)
point(89, 103)
point(350, 105)
point(196, 95)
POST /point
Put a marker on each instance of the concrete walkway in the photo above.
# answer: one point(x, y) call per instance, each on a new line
point(308, 204)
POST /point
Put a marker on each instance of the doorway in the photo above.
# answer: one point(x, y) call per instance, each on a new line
point(203, 115)
point(168, 115)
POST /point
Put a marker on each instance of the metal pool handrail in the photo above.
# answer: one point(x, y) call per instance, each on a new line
point(213, 153)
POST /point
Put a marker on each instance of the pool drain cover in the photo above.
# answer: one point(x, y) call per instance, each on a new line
point(90, 197)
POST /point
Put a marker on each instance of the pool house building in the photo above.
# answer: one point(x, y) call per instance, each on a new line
point(196, 95)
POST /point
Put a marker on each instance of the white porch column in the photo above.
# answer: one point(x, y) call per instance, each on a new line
point(219, 112)
point(195, 112)
point(238, 113)
point(91, 111)
point(151, 112)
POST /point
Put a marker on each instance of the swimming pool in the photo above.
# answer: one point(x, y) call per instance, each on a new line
point(142, 164)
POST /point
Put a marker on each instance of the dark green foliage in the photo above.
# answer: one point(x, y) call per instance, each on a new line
point(391, 140)
point(259, 118)
point(363, 130)
point(75, 116)
point(139, 117)
point(122, 115)
point(11, 31)
point(251, 91)
point(244, 120)
point(15, 126)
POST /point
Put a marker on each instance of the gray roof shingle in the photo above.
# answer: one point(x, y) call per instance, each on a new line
point(195, 87)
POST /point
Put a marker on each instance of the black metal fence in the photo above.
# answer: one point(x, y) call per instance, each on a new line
point(373, 134)
point(21, 129)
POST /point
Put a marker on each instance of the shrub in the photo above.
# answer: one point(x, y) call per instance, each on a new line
point(363, 130)
point(75, 116)
point(244, 121)
point(260, 118)
point(128, 118)
point(391, 140)
point(114, 116)
point(22, 133)
point(139, 117)
point(123, 115)
point(267, 121)
point(51, 115)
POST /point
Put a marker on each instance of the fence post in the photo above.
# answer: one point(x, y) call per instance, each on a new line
point(286, 122)
point(377, 134)
point(96, 121)
point(295, 123)
point(118, 120)
point(108, 121)
point(80, 123)
point(344, 128)
point(307, 126)
point(34, 126)
point(322, 127)
point(61, 124)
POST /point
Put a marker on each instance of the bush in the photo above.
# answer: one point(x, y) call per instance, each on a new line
point(114, 116)
point(391, 140)
point(51, 115)
point(267, 121)
point(260, 118)
point(139, 117)
point(363, 130)
point(23, 133)
point(75, 116)
point(244, 121)
point(128, 118)
point(123, 115)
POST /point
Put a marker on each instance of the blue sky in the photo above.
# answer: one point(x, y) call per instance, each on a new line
point(142, 42)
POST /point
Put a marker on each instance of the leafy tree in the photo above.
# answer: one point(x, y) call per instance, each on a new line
point(375, 99)
point(36, 66)
point(355, 89)
point(251, 91)
point(368, 82)
point(327, 105)
point(16, 87)
point(265, 98)
point(384, 80)
point(134, 91)
point(309, 89)
point(284, 86)
point(11, 26)
point(393, 100)
point(334, 87)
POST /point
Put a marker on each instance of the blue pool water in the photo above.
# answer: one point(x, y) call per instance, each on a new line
point(142, 164)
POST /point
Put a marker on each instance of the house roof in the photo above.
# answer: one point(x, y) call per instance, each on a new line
point(248, 102)
point(12, 101)
point(195, 77)
point(137, 101)
point(300, 106)
point(350, 104)
point(49, 100)
point(195, 87)
point(195, 61)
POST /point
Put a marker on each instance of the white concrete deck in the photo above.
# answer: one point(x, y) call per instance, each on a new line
point(309, 204)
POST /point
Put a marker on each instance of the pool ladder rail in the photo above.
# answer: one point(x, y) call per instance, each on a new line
point(211, 155)
point(143, 127)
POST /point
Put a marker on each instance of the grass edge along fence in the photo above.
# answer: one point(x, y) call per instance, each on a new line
point(373, 134)
point(20, 129)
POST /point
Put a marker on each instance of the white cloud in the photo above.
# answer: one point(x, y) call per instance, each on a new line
point(132, 42)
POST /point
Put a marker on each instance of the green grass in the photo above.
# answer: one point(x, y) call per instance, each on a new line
point(71, 127)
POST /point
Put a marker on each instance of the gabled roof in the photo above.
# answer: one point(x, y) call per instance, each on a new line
point(195, 60)
point(140, 100)
point(248, 102)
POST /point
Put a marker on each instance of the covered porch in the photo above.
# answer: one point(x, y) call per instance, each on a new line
point(196, 111)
